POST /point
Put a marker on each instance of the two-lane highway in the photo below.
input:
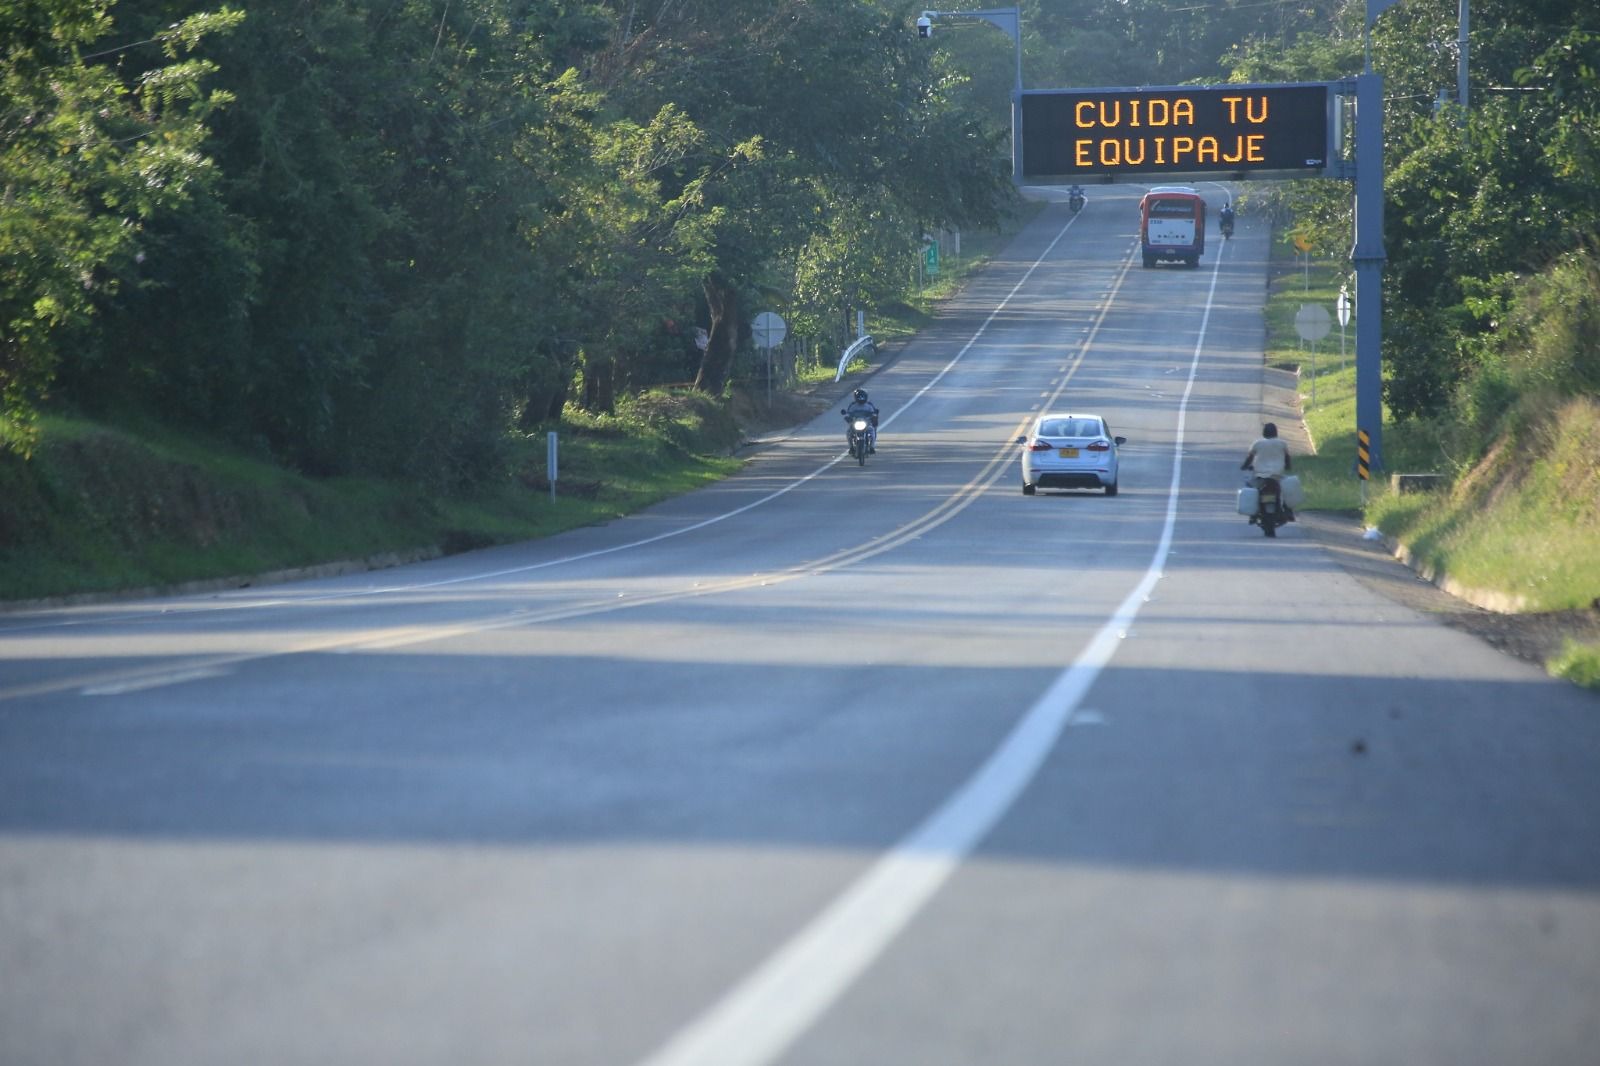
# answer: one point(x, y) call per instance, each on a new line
point(825, 763)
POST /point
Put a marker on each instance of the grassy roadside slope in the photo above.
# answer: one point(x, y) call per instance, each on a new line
point(101, 510)
point(1523, 523)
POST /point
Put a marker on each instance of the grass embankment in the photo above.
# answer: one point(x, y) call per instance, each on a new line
point(99, 509)
point(1522, 520)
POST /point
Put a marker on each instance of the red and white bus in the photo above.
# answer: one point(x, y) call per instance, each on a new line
point(1172, 225)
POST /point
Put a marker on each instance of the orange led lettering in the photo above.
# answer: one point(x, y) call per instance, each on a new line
point(1080, 153)
point(1077, 114)
point(1183, 111)
point(1128, 152)
point(1114, 117)
point(1255, 150)
point(1250, 114)
point(1180, 145)
point(1206, 151)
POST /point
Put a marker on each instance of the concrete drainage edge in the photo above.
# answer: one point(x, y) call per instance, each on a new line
point(1498, 602)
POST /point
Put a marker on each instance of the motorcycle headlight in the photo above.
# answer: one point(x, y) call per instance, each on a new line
point(861, 425)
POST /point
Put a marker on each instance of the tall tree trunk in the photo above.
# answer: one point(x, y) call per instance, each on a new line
point(545, 392)
point(599, 384)
point(722, 299)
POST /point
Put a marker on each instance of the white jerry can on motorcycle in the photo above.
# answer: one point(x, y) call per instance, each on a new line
point(1288, 488)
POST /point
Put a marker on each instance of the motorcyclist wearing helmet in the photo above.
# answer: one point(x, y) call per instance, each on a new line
point(860, 405)
point(1225, 218)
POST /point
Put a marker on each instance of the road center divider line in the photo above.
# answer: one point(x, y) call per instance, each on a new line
point(757, 1020)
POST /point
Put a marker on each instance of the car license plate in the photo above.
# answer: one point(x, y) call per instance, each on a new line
point(1069, 453)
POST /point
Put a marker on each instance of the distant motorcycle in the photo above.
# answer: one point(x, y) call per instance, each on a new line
point(860, 436)
point(1226, 224)
point(1075, 200)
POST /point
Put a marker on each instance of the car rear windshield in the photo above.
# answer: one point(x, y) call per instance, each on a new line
point(1070, 427)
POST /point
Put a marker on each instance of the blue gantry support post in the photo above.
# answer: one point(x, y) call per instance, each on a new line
point(1368, 254)
point(1368, 257)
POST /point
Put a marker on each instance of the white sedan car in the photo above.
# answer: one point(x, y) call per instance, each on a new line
point(1069, 451)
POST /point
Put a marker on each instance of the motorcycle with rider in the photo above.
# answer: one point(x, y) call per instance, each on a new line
point(861, 426)
point(1264, 499)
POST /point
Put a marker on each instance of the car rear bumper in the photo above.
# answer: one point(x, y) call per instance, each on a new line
point(1071, 479)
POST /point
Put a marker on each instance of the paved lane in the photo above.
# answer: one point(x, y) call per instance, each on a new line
point(578, 801)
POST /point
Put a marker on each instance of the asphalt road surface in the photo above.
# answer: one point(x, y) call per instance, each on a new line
point(825, 764)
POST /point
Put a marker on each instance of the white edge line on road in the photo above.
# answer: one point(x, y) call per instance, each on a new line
point(758, 1019)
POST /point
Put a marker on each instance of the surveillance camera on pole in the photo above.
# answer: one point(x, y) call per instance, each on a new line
point(924, 25)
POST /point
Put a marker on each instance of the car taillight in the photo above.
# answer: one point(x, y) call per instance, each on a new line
point(1041, 446)
point(1100, 446)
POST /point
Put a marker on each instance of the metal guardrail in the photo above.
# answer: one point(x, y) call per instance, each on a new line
point(854, 350)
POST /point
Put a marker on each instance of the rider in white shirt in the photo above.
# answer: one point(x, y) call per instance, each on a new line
point(1269, 456)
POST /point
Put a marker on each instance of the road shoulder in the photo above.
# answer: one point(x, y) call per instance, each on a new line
point(1536, 637)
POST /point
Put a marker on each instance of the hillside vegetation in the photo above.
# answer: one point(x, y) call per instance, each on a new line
point(102, 510)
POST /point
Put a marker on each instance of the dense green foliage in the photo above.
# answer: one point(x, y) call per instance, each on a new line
point(418, 227)
point(1488, 209)
point(362, 238)
point(93, 140)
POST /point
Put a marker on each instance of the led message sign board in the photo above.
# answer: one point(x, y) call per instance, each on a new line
point(1225, 130)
